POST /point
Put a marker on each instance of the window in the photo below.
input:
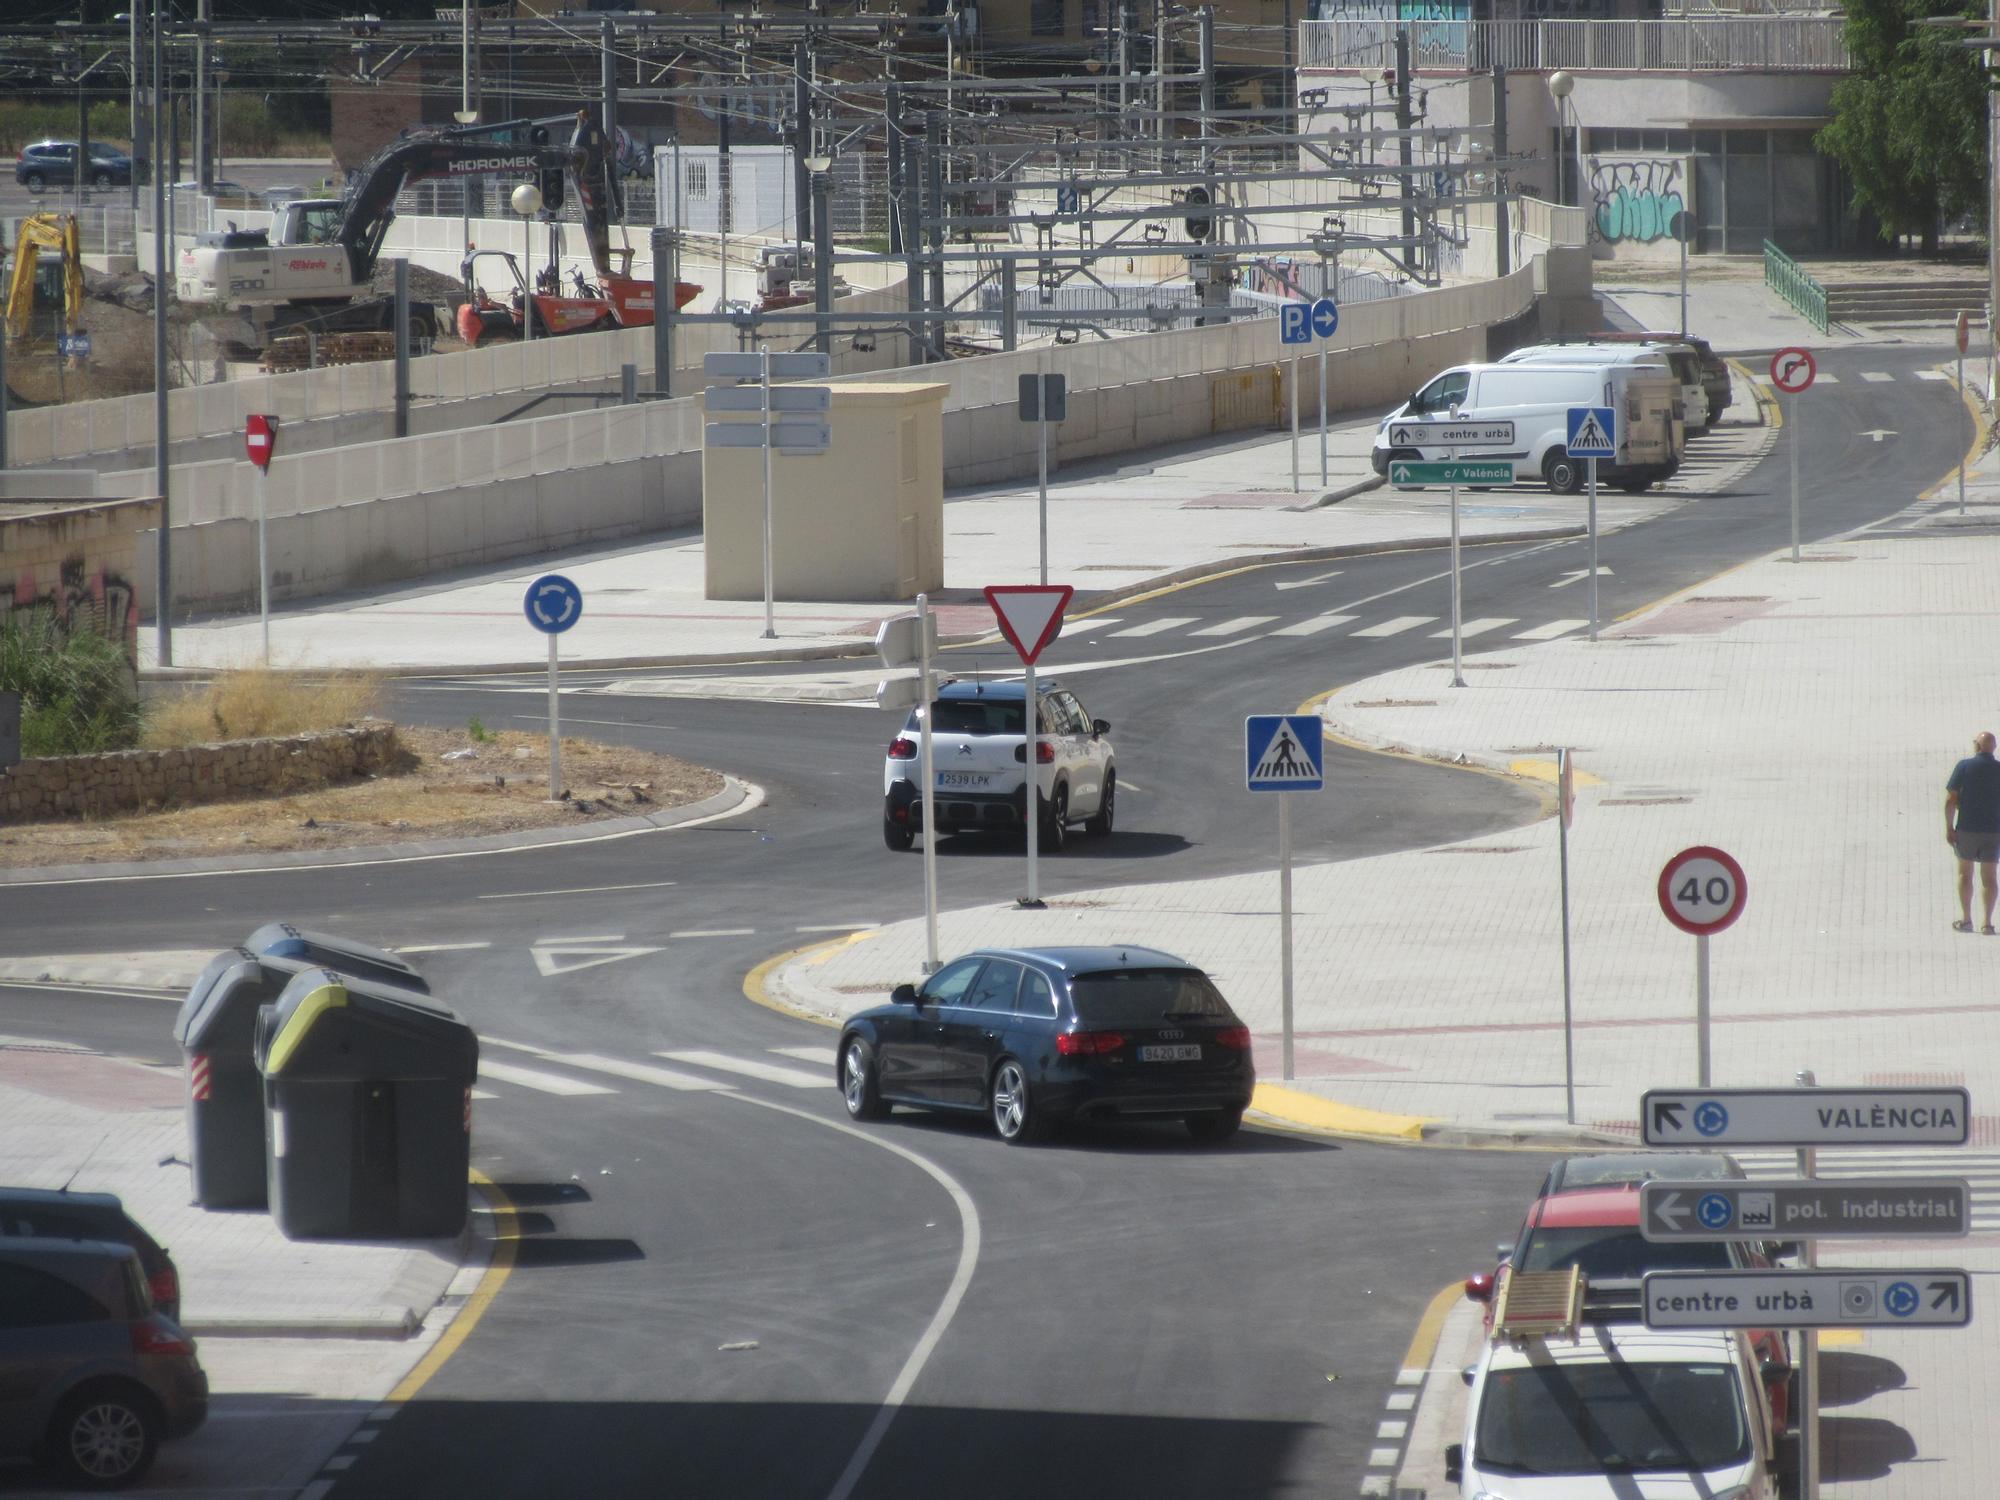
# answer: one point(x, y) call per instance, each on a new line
point(978, 716)
point(995, 989)
point(694, 179)
point(1443, 393)
point(1070, 717)
point(34, 1299)
point(949, 984)
point(1645, 1417)
point(1133, 997)
point(1036, 998)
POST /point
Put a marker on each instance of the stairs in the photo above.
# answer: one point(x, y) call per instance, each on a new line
point(1932, 300)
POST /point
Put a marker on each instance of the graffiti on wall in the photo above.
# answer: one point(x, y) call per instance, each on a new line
point(1635, 201)
point(76, 599)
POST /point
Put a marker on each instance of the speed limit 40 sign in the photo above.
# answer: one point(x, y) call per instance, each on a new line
point(1702, 890)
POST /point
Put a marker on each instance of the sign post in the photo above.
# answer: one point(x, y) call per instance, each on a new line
point(1702, 891)
point(1030, 617)
point(1565, 813)
point(1043, 399)
point(1294, 329)
point(553, 604)
point(1964, 338)
point(1451, 434)
point(1325, 323)
point(910, 640)
point(260, 441)
point(1284, 753)
point(1593, 434)
point(1792, 371)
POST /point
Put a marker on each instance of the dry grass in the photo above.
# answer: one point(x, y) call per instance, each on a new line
point(258, 702)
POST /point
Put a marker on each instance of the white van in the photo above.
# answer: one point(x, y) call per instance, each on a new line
point(1680, 359)
point(1537, 399)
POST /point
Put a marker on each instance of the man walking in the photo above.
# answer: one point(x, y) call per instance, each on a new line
point(1972, 827)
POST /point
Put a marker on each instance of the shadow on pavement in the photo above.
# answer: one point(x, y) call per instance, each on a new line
point(1078, 846)
point(1104, 1137)
point(1861, 1448)
point(543, 1194)
point(1847, 1379)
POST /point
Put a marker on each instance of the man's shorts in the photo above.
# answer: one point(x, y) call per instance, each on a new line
point(1979, 848)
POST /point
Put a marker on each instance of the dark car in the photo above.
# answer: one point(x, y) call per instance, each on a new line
point(48, 164)
point(46, 1213)
point(92, 1377)
point(1035, 1036)
point(1714, 368)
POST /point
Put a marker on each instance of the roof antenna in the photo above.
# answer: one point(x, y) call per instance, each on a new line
point(84, 1163)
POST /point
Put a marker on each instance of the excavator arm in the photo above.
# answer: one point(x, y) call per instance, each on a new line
point(41, 232)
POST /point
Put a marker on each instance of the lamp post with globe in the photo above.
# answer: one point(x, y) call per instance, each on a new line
point(527, 202)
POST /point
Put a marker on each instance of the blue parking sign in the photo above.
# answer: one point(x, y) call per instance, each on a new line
point(1295, 323)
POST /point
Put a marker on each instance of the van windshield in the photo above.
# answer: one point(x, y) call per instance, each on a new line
point(1612, 1418)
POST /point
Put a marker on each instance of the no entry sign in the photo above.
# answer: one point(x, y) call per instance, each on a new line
point(260, 439)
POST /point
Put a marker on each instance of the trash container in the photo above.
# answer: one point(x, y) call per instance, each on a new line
point(368, 1101)
point(217, 1029)
point(343, 955)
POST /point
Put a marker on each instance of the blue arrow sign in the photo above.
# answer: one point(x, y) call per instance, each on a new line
point(1283, 753)
point(553, 604)
point(1593, 432)
point(1295, 323)
point(1325, 318)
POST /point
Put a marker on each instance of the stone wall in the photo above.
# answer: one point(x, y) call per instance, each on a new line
point(138, 780)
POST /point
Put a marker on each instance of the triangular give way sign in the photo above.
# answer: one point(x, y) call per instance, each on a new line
point(1030, 614)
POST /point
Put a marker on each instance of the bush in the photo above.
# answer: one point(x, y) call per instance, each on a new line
point(260, 701)
point(77, 691)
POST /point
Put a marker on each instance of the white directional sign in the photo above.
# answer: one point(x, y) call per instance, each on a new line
point(1448, 434)
point(803, 435)
point(1806, 1209)
point(1806, 1117)
point(783, 398)
point(1807, 1299)
point(801, 366)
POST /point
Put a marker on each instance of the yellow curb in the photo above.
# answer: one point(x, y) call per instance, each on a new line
point(1328, 1116)
point(1842, 1338)
point(1430, 1327)
point(1981, 431)
point(756, 984)
point(497, 1271)
point(1545, 770)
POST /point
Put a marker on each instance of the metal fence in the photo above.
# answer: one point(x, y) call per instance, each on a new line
point(1790, 281)
point(1785, 44)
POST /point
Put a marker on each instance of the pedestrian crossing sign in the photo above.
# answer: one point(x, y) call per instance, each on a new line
point(1593, 432)
point(1283, 753)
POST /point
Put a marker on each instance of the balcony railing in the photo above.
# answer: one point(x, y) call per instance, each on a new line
point(1783, 44)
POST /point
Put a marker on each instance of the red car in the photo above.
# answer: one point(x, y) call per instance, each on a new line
point(1597, 1230)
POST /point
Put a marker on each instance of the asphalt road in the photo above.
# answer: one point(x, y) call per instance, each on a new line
point(1142, 1316)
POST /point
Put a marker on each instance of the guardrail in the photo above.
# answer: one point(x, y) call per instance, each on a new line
point(1778, 44)
point(1790, 281)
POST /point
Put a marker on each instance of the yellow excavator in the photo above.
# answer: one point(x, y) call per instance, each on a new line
point(47, 273)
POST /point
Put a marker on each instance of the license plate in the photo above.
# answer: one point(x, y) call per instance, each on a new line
point(966, 779)
point(1178, 1052)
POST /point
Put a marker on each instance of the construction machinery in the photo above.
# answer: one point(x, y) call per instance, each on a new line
point(613, 301)
point(316, 273)
point(47, 276)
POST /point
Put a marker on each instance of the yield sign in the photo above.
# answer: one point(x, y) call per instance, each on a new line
point(260, 439)
point(1030, 614)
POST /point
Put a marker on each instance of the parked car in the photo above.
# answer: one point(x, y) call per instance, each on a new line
point(1678, 358)
point(1714, 368)
point(1617, 1411)
point(1626, 1168)
point(48, 1213)
point(1537, 399)
point(93, 1378)
point(47, 164)
point(1035, 1036)
point(979, 753)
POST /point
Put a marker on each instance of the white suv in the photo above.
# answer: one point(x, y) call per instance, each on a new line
point(979, 752)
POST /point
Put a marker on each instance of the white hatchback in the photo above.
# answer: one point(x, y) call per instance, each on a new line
point(979, 755)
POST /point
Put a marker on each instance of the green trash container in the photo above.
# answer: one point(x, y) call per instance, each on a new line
point(343, 955)
point(217, 1029)
point(368, 1110)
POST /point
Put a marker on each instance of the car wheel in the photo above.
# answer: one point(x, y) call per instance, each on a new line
point(898, 836)
point(104, 1439)
point(101, 180)
point(1011, 1105)
point(1563, 473)
point(1216, 1125)
point(858, 1084)
point(34, 182)
point(1107, 808)
point(1055, 826)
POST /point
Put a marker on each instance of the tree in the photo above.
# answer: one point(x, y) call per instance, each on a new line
point(1909, 122)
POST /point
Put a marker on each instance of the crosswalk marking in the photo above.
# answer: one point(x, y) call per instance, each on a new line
point(702, 932)
point(1825, 379)
point(1155, 627)
point(1474, 627)
point(638, 1072)
point(1235, 626)
point(1876, 377)
point(540, 1082)
point(1932, 375)
point(1981, 1169)
point(794, 1078)
point(821, 1055)
point(1314, 625)
point(1396, 626)
point(1550, 631)
point(1078, 627)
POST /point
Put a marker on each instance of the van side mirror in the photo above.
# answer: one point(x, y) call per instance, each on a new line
point(1454, 1462)
point(904, 994)
point(1479, 1288)
point(1100, 726)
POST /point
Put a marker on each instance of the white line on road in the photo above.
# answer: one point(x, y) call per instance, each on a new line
point(822, 1055)
point(581, 890)
point(609, 937)
point(1155, 627)
point(1396, 626)
point(1932, 375)
point(1822, 378)
point(837, 927)
point(1315, 625)
point(1551, 630)
point(695, 932)
point(441, 948)
point(1306, 583)
point(638, 1072)
point(793, 1078)
point(1473, 627)
point(542, 1083)
point(1236, 626)
point(1877, 377)
point(1078, 627)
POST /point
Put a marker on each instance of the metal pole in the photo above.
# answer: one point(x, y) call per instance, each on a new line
point(1593, 546)
point(1685, 228)
point(1285, 923)
point(1042, 479)
point(163, 587)
point(141, 142)
point(1323, 480)
point(1807, 1391)
point(1295, 419)
point(1569, 1023)
point(1961, 412)
point(3, 394)
point(198, 147)
point(1503, 250)
point(1405, 120)
point(528, 282)
point(555, 730)
point(264, 559)
point(1457, 635)
point(1701, 1008)
point(666, 271)
point(1795, 478)
point(934, 196)
point(764, 373)
point(628, 385)
point(402, 272)
point(1031, 805)
point(805, 203)
point(930, 787)
point(822, 233)
point(1010, 309)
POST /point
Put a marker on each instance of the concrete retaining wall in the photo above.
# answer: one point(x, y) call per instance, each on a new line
point(78, 564)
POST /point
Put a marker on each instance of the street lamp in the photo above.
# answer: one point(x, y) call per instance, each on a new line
point(1561, 85)
point(527, 202)
point(821, 168)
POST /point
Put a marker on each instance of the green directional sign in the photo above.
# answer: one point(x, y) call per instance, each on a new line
point(1413, 476)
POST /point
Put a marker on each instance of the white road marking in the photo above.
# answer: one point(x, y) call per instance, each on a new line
point(1373, 1485)
point(1932, 375)
point(552, 959)
point(441, 948)
point(1234, 627)
point(1396, 626)
point(542, 1083)
point(1473, 627)
point(792, 1078)
point(1876, 377)
point(1078, 627)
point(638, 1072)
point(581, 890)
point(1825, 379)
point(319, 1489)
point(698, 932)
point(1155, 627)
point(1306, 583)
point(1391, 1431)
point(482, 1094)
point(1402, 1401)
point(339, 1461)
point(1381, 1458)
point(608, 937)
point(837, 927)
point(806, 1054)
point(1551, 630)
point(1315, 625)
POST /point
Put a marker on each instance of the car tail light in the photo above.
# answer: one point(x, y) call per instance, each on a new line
point(1088, 1043)
point(165, 1285)
point(155, 1335)
point(902, 747)
point(1045, 753)
point(1237, 1037)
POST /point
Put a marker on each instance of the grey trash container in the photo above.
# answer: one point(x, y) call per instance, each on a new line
point(345, 955)
point(368, 1101)
point(217, 1029)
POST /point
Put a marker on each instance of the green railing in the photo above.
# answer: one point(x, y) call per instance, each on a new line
point(1789, 280)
